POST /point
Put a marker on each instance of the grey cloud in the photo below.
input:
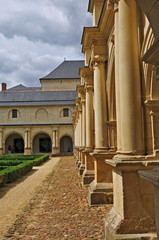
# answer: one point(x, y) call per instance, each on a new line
point(63, 27)
point(35, 36)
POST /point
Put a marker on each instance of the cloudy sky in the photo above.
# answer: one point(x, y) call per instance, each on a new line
point(36, 35)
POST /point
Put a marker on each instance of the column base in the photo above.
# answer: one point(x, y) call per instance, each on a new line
point(27, 151)
point(87, 177)
point(81, 169)
point(115, 227)
point(100, 193)
point(55, 150)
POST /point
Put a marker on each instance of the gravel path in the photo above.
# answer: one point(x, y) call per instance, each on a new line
point(15, 196)
point(59, 210)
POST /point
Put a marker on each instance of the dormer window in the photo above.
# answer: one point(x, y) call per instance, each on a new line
point(14, 113)
point(65, 112)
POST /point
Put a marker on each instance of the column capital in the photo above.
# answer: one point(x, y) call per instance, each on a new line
point(79, 108)
point(27, 129)
point(88, 87)
point(98, 59)
point(77, 100)
point(83, 101)
point(116, 7)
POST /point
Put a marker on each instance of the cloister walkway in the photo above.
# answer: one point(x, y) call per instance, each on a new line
point(50, 203)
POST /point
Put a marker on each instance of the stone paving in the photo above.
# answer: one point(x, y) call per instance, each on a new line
point(59, 210)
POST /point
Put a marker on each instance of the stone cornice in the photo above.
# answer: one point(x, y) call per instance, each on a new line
point(80, 89)
point(106, 20)
point(91, 4)
point(86, 73)
point(92, 36)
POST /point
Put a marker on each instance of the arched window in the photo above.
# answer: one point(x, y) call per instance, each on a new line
point(14, 113)
point(65, 112)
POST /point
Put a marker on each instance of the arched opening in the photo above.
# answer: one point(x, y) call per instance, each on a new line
point(14, 144)
point(66, 144)
point(42, 143)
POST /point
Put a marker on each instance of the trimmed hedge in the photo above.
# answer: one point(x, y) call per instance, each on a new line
point(9, 162)
point(13, 169)
point(41, 159)
point(13, 172)
point(19, 157)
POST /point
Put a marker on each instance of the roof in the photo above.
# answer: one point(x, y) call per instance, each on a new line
point(66, 70)
point(21, 87)
point(37, 98)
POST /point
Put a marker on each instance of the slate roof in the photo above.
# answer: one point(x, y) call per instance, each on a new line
point(37, 98)
point(66, 70)
point(21, 87)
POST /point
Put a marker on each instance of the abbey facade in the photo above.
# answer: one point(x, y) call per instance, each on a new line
point(116, 118)
point(39, 119)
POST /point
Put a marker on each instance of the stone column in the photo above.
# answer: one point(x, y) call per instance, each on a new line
point(117, 82)
point(83, 122)
point(54, 142)
point(100, 190)
point(1, 142)
point(27, 147)
point(88, 175)
point(26, 139)
point(101, 141)
point(89, 117)
point(57, 141)
point(80, 134)
point(29, 139)
point(129, 78)
point(129, 218)
point(112, 135)
point(78, 140)
point(80, 124)
point(80, 89)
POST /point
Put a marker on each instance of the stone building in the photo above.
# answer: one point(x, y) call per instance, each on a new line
point(39, 119)
point(116, 118)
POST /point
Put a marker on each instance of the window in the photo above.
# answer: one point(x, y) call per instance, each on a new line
point(14, 113)
point(65, 112)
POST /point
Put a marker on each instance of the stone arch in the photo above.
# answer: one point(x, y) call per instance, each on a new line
point(14, 143)
point(66, 144)
point(41, 143)
point(41, 113)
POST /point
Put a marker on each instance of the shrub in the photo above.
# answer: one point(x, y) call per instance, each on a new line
point(13, 168)
point(41, 159)
point(19, 157)
point(13, 172)
point(9, 162)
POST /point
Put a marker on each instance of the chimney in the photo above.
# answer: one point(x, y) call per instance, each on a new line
point(4, 87)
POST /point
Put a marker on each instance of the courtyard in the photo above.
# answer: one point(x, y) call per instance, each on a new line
point(50, 203)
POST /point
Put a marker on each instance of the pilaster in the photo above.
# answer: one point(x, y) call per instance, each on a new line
point(27, 143)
